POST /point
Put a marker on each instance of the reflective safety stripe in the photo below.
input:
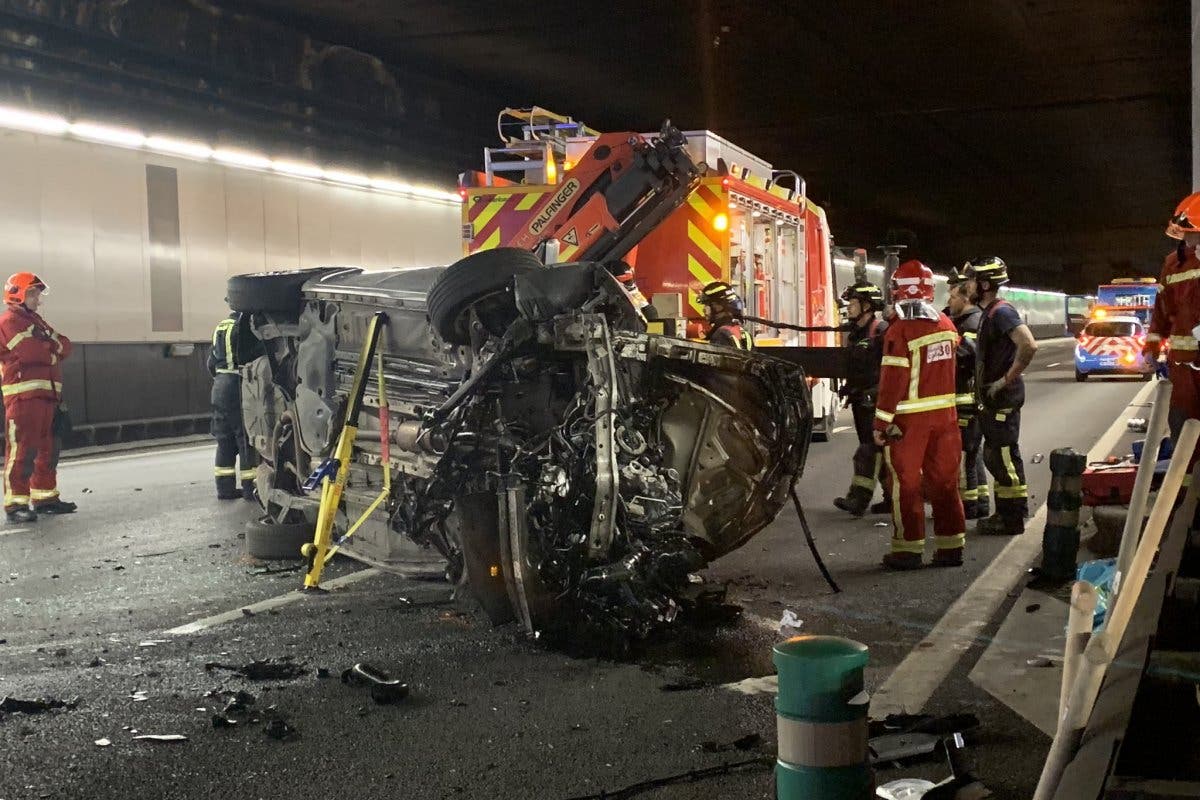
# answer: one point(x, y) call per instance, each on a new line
point(9, 462)
point(30, 386)
point(970, 335)
point(1014, 480)
point(19, 337)
point(901, 545)
point(223, 371)
point(860, 481)
point(875, 469)
point(950, 542)
point(1000, 417)
point(1183, 342)
point(249, 474)
point(897, 520)
point(969, 494)
point(224, 331)
point(883, 415)
point(1180, 277)
point(16, 500)
point(965, 399)
point(1011, 492)
point(43, 494)
point(962, 423)
point(933, 338)
point(914, 378)
point(895, 361)
point(925, 404)
point(224, 472)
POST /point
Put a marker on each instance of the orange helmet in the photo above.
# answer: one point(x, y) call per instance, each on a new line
point(18, 284)
point(1186, 218)
point(912, 280)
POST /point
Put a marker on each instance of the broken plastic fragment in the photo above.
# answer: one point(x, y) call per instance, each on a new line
point(789, 623)
point(161, 737)
point(102, 743)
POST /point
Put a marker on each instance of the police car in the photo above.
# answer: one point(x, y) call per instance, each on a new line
point(1112, 346)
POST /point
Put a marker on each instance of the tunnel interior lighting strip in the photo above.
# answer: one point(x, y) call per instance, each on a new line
point(20, 119)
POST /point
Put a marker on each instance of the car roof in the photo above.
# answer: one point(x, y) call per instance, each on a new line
point(1115, 319)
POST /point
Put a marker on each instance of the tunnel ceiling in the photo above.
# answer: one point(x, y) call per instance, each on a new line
point(1057, 121)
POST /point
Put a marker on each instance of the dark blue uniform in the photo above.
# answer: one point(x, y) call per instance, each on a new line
point(1000, 417)
point(231, 340)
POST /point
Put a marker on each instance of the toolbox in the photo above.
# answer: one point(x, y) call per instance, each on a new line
point(1111, 484)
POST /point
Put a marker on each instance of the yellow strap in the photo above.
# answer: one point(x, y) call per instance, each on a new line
point(223, 371)
point(965, 399)
point(926, 404)
point(970, 335)
point(883, 415)
point(248, 474)
point(224, 472)
point(862, 482)
point(43, 494)
point(895, 361)
point(30, 386)
point(1183, 342)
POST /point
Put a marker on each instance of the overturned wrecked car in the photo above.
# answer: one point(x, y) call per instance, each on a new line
point(571, 469)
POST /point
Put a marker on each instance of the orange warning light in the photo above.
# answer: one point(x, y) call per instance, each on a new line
point(720, 222)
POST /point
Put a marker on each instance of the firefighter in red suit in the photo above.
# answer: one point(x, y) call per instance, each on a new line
point(1176, 318)
point(917, 425)
point(31, 355)
point(725, 312)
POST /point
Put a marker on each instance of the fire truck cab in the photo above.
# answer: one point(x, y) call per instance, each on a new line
point(742, 221)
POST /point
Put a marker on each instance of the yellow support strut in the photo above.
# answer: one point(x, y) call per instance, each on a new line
point(318, 551)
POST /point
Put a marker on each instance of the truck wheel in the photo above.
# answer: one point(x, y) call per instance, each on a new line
point(272, 541)
point(476, 278)
point(271, 291)
point(1080, 376)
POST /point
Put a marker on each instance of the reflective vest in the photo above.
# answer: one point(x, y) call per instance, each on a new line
point(1177, 306)
point(221, 359)
point(918, 370)
point(31, 355)
point(731, 335)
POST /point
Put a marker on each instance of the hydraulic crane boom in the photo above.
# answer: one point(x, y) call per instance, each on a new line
point(620, 190)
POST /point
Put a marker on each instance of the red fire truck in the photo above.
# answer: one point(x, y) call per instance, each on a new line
point(741, 221)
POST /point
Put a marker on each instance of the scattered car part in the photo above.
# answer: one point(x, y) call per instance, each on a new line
point(384, 688)
point(280, 730)
point(160, 737)
point(40, 705)
point(275, 541)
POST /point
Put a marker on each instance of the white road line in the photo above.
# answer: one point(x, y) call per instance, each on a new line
point(924, 669)
point(270, 603)
point(6, 532)
point(126, 456)
point(1055, 364)
point(840, 428)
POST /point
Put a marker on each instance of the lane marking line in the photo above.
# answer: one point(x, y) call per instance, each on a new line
point(926, 666)
point(1055, 364)
point(67, 464)
point(269, 603)
point(15, 530)
point(840, 428)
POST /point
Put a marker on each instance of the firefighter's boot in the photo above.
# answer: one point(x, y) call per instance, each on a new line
point(55, 506)
point(855, 502)
point(948, 558)
point(902, 561)
point(19, 515)
point(882, 507)
point(999, 525)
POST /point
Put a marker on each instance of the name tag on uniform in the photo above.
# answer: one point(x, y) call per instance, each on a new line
point(938, 351)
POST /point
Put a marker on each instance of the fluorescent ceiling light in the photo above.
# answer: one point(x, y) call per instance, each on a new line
point(124, 137)
point(298, 168)
point(242, 158)
point(389, 185)
point(179, 147)
point(352, 178)
point(32, 121)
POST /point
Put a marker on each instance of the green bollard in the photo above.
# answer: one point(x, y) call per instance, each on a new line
point(821, 713)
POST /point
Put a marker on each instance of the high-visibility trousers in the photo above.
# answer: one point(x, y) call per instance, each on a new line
point(30, 461)
point(1185, 401)
point(927, 457)
point(1001, 453)
point(972, 479)
point(868, 457)
point(232, 444)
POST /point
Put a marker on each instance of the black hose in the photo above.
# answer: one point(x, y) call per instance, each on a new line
point(811, 544)
point(770, 323)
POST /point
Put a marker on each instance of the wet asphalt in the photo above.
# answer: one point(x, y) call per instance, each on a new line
point(86, 600)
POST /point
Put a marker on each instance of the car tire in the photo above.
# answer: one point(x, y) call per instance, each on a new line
point(1080, 376)
point(470, 280)
point(260, 292)
point(273, 541)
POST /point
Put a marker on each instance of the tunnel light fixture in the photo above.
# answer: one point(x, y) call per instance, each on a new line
point(350, 178)
point(107, 134)
point(242, 158)
point(179, 147)
point(20, 119)
point(298, 168)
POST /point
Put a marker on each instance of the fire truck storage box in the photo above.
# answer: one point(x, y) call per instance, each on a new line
point(705, 147)
point(1112, 484)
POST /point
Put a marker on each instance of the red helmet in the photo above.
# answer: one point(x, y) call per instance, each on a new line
point(912, 280)
point(1186, 218)
point(18, 284)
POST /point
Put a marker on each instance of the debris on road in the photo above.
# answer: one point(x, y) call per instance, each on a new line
point(279, 730)
point(1040, 661)
point(789, 624)
point(1137, 425)
point(152, 643)
point(683, 685)
point(265, 670)
point(750, 741)
point(139, 696)
point(160, 737)
point(240, 703)
point(40, 705)
point(384, 688)
point(222, 721)
point(904, 789)
point(102, 743)
point(690, 776)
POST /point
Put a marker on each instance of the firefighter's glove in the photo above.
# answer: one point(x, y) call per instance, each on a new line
point(41, 333)
point(994, 388)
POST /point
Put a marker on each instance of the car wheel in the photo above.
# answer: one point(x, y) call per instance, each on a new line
point(272, 541)
point(260, 292)
point(476, 278)
point(1080, 376)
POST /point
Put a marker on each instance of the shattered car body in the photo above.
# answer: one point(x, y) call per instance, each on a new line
point(573, 471)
